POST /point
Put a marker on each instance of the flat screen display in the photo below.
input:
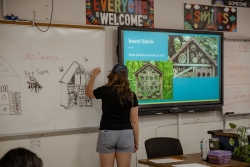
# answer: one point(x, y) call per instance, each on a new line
point(173, 70)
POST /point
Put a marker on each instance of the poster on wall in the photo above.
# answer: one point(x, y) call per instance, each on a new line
point(213, 18)
point(138, 13)
point(238, 3)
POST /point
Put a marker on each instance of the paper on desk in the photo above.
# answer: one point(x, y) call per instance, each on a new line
point(166, 160)
point(190, 165)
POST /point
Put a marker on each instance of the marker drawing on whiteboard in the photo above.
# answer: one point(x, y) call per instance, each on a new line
point(33, 84)
point(61, 69)
point(85, 59)
point(73, 84)
point(10, 92)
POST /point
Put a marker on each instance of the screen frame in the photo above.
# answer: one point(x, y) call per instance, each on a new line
point(153, 109)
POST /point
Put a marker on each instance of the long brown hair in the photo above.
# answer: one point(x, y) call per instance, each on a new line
point(120, 82)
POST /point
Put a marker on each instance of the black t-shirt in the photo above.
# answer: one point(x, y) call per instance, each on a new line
point(114, 115)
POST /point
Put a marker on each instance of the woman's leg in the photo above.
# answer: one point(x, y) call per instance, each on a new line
point(123, 159)
point(107, 160)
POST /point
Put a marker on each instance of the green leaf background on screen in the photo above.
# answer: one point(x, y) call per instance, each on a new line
point(165, 66)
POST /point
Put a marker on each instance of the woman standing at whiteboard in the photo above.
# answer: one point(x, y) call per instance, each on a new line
point(119, 127)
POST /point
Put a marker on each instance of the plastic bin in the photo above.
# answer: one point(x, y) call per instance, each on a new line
point(219, 156)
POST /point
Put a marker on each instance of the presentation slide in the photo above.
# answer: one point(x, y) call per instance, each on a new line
point(172, 67)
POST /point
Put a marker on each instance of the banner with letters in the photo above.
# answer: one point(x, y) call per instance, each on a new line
point(138, 13)
point(238, 3)
point(214, 18)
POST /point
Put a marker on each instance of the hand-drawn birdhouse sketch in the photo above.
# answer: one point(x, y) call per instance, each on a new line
point(73, 87)
point(192, 60)
point(149, 82)
point(10, 92)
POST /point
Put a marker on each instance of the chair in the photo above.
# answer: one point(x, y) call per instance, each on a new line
point(163, 146)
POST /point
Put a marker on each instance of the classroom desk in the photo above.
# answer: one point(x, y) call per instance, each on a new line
point(193, 158)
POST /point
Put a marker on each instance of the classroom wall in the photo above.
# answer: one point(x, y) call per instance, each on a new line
point(79, 149)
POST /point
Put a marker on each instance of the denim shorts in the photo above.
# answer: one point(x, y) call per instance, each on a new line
point(110, 141)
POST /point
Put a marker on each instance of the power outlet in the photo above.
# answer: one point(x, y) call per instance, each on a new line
point(35, 143)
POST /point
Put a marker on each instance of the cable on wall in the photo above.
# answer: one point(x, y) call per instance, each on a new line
point(49, 21)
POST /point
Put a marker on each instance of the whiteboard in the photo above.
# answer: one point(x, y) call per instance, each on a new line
point(236, 77)
point(43, 76)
